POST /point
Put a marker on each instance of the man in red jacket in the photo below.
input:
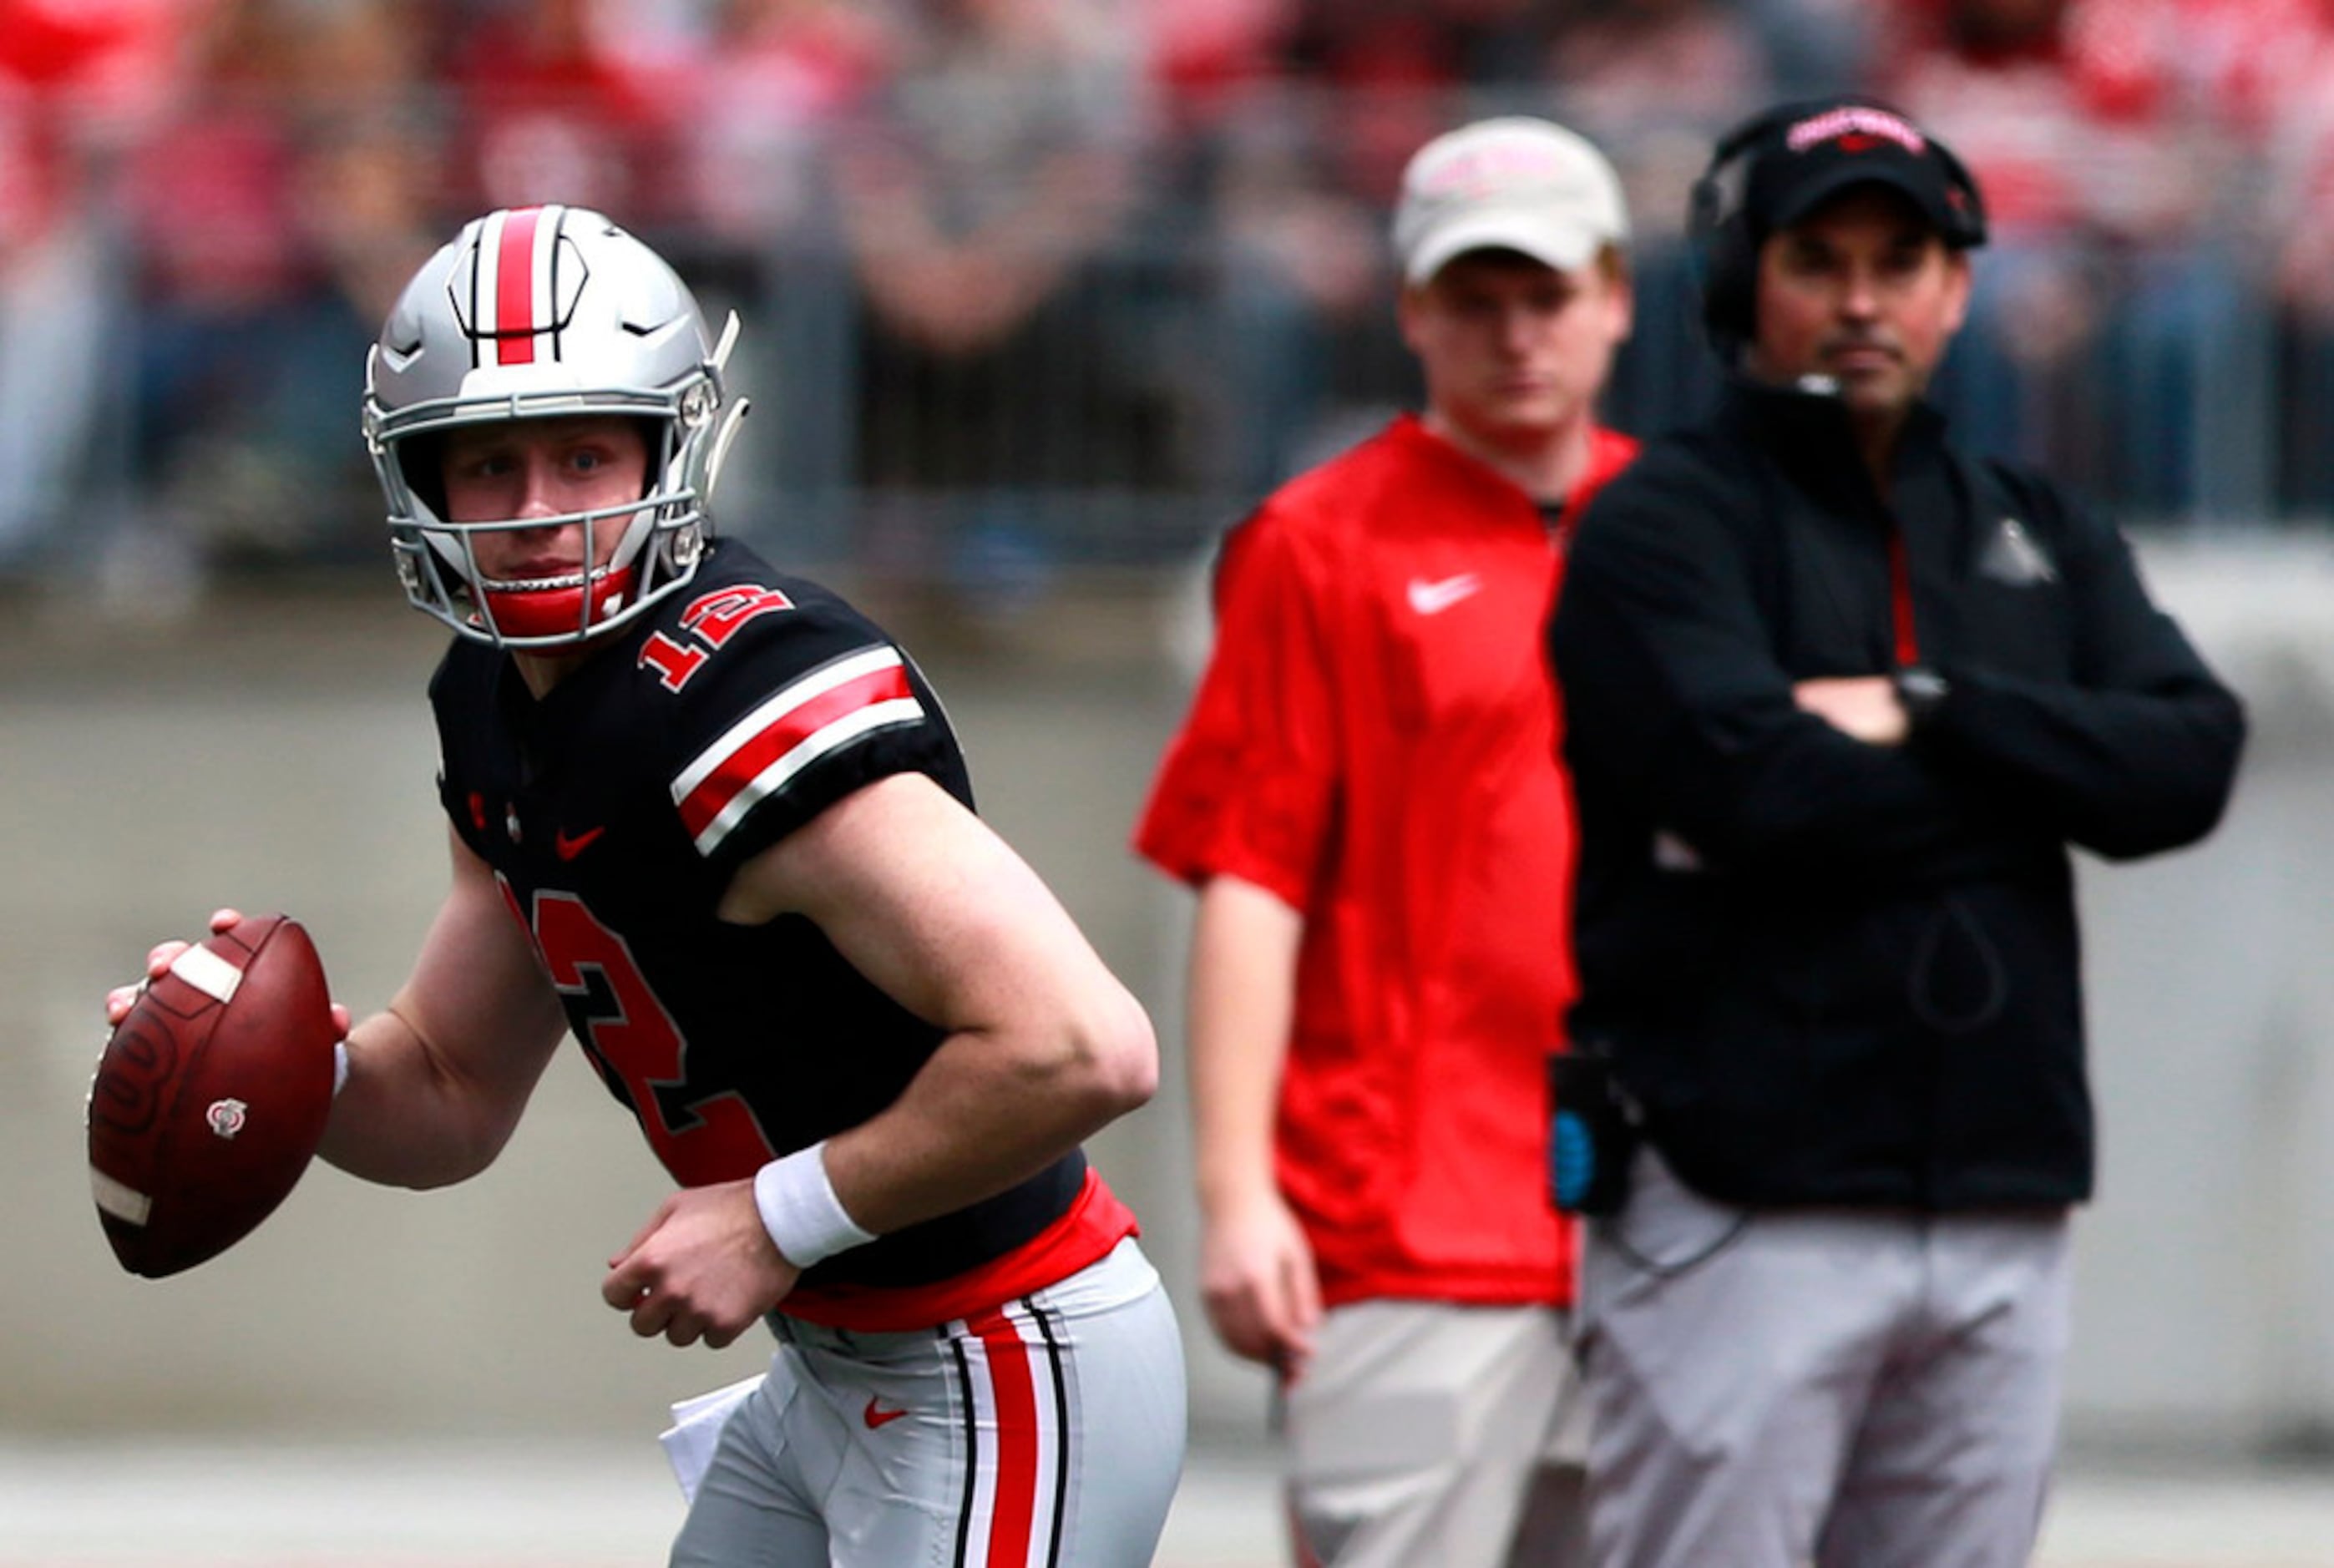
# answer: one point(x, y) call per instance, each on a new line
point(1366, 797)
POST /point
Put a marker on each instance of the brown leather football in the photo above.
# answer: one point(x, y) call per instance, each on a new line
point(211, 1096)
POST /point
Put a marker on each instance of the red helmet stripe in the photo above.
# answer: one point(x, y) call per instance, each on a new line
point(514, 323)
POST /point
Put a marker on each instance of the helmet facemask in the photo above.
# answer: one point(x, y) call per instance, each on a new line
point(545, 313)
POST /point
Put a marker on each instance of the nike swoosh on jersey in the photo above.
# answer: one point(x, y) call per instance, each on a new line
point(1435, 598)
point(568, 848)
point(876, 1417)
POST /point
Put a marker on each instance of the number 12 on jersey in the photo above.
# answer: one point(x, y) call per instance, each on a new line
point(702, 1136)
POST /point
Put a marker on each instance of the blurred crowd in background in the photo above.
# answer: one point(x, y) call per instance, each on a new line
point(1029, 283)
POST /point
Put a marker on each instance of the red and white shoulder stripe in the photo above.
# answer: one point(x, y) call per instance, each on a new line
point(1017, 1402)
point(824, 713)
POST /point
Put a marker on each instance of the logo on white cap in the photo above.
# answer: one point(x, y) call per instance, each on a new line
point(1514, 183)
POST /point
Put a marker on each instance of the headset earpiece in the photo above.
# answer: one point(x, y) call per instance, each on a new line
point(1719, 242)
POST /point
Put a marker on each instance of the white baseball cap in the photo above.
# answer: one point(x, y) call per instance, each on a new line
point(1514, 183)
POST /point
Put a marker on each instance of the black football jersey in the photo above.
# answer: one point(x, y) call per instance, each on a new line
point(614, 813)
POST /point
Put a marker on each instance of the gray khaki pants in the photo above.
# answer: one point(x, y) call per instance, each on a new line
point(1425, 1432)
point(1849, 1387)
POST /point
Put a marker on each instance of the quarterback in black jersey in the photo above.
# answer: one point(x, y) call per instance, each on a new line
point(713, 821)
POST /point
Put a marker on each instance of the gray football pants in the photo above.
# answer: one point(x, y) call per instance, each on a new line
point(1045, 1434)
point(1851, 1388)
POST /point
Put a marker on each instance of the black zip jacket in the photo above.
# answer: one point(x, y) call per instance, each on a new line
point(1831, 972)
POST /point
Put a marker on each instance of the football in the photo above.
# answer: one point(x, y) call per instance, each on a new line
point(211, 1096)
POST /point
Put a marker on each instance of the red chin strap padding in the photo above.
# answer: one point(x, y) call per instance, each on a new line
point(555, 612)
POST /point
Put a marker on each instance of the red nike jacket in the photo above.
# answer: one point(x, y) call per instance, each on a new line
point(1374, 742)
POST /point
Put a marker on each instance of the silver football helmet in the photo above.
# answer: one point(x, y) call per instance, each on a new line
point(536, 313)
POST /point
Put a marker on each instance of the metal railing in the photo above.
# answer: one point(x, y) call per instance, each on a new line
point(1172, 369)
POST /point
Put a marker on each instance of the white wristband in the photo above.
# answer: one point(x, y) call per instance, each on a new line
point(800, 1210)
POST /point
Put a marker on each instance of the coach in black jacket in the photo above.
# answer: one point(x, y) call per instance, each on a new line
point(1838, 699)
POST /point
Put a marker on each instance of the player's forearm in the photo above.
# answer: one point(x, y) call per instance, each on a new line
point(1242, 1002)
point(438, 1079)
point(992, 1109)
point(404, 1119)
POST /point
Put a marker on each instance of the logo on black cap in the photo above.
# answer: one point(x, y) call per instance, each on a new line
point(1856, 127)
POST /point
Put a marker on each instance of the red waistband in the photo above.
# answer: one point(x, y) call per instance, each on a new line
point(1095, 1222)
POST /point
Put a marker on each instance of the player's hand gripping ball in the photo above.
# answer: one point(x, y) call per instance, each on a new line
point(211, 1096)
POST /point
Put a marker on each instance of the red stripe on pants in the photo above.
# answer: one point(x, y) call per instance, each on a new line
point(1016, 1398)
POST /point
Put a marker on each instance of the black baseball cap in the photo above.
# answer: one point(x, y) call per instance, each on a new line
point(1803, 157)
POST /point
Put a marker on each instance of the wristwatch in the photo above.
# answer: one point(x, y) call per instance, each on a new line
point(1923, 692)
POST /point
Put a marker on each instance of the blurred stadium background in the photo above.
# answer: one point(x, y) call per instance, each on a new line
point(1039, 294)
